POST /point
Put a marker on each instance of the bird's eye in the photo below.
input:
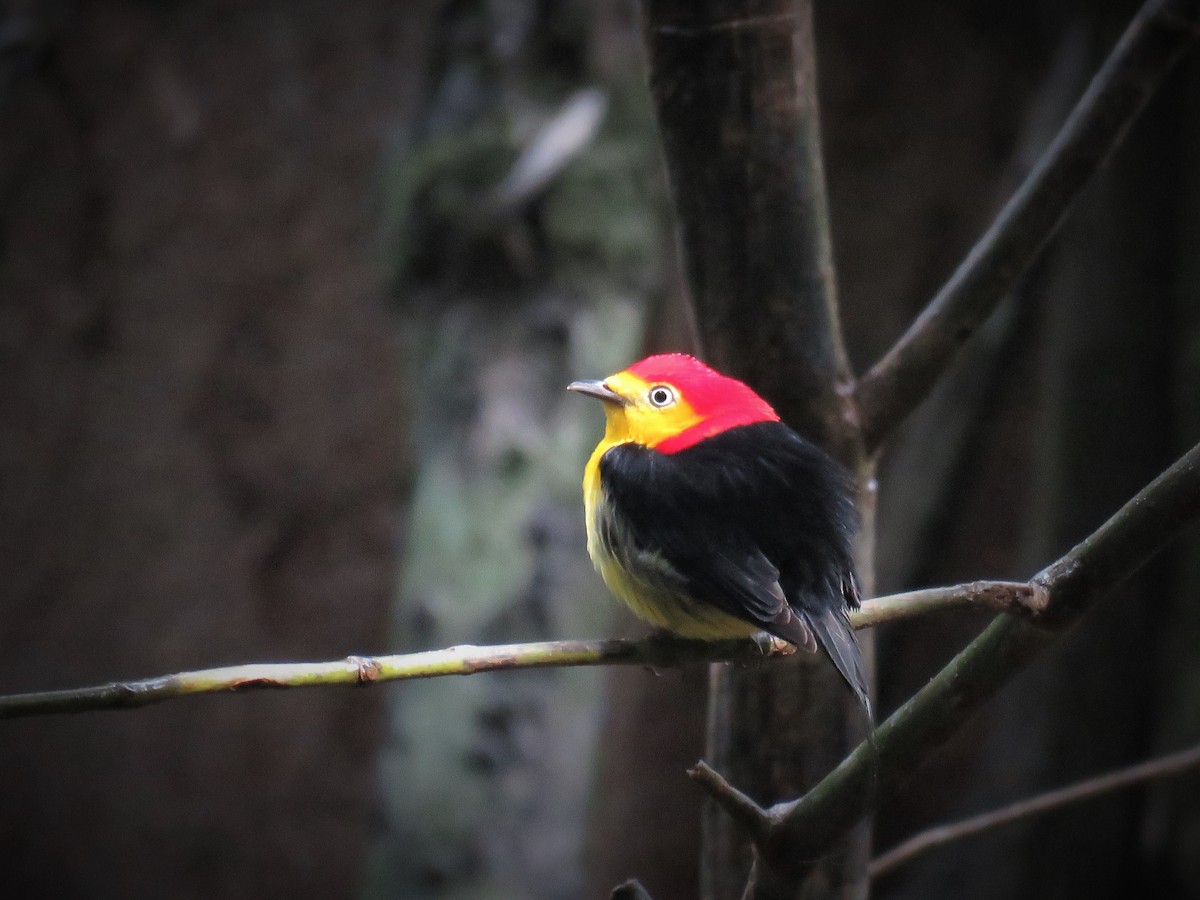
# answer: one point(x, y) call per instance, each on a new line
point(660, 395)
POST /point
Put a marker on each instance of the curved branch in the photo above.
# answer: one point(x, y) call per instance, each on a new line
point(1162, 767)
point(1156, 39)
point(748, 814)
point(810, 826)
point(657, 652)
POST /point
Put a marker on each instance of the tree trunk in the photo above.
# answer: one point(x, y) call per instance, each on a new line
point(488, 781)
point(198, 434)
point(734, 90)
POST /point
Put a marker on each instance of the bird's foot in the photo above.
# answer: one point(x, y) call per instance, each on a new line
point(769, 645)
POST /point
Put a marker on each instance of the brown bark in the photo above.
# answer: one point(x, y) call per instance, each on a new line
point(647, 823)
point(198, 435)
point(734, 88)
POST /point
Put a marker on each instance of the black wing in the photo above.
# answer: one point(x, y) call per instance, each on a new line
point(758, 522)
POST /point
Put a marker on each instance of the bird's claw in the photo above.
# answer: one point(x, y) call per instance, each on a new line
point(769, 645)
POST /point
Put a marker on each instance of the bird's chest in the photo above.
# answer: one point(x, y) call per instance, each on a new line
point(631, 572)
point(636, 575)
point(610, 543)
point(641, 576)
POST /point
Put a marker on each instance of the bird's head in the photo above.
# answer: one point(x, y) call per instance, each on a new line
point(672, 401)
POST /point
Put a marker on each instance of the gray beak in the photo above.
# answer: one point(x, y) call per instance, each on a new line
point(597, 389)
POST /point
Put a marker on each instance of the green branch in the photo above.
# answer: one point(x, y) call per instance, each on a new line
point(806, 828)
point(1154, 42)
point(657, 652)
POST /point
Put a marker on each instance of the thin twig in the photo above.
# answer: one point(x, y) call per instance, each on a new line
point(1017, 597)
point(461, 660)
point(1154, 42)
point(811, 825)
point(1162, 767)
point(467, 660)
point(944, 434)
point(737, 805)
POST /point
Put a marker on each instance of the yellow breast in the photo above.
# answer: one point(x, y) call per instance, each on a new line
point(640, 579)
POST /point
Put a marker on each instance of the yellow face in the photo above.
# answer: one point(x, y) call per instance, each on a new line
point(640, 411)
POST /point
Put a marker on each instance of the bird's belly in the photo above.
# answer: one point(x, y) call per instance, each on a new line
point(670, 610)
point(645, 582)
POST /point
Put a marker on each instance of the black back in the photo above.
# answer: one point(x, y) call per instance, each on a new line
point(742, 514)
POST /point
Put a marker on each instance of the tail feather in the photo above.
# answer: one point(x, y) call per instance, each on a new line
point(836, 637)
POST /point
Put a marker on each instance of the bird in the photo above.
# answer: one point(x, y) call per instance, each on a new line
point(711, 518)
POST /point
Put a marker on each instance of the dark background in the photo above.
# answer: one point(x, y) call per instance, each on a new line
point(281, 377)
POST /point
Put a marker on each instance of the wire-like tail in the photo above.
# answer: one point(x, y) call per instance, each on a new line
point(836, 637)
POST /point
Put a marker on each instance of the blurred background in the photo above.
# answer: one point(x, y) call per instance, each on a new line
point(289, 293)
